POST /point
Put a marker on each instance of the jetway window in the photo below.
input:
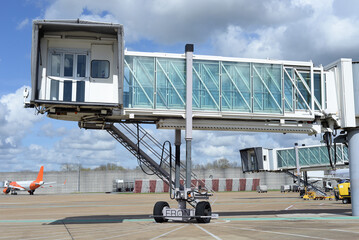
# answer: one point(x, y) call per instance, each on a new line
point(69, 65)
point(55, 65)
point(303, 84)
point(317, 88)
point(288, 89)
point(81, 65)
point(54, 90)
point(100, 69)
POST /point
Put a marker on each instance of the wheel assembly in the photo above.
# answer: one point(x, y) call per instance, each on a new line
point(158, 211)
point(203, 212)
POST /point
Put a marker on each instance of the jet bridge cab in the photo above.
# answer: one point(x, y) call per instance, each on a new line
point(76, 68)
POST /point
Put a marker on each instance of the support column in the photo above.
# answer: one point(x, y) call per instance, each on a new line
point(297, 162)
point(178, 158)
point(353, 138)
point(188, 136)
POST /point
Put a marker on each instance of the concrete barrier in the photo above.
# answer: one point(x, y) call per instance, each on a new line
point(218, 185)
point(102, 181)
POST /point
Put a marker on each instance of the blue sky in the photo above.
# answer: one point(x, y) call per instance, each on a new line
point(322, 31)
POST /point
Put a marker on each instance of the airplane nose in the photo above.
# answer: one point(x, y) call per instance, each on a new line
point(6, 190)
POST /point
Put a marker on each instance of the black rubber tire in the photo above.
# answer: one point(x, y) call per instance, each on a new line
point(157, 211)
point(345, 201)
point(203, 209)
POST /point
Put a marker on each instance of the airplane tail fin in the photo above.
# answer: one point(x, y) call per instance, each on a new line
point(40, 175)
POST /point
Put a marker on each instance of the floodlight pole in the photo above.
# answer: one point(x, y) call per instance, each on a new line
point(78, 174)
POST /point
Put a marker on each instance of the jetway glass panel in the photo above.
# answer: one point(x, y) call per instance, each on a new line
point(236, 87)
point(170, 83)
point(311, 156)
point(206, 85)
point(288, 90)
point(241, 87)
point(317, 90)
point(140, 77)
point(267, 88)
point(303, 83)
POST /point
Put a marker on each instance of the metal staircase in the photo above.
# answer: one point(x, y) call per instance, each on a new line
point(143, 157)
point(145, 148)
point(316, 189)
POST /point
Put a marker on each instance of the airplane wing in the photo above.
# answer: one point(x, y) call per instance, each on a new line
point(48, 183)
point(16, 187)
point(51, 184)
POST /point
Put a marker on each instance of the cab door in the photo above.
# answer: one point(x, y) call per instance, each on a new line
point(101, 85)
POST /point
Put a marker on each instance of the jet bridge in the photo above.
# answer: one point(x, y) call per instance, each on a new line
point(81, 72)
point(295, 160)
point(258, 159)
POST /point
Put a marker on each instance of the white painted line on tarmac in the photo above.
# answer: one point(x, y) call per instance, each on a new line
point(289, 207)
point(209, 233)
point(133, 233)
point(226, 221)
point(343, 230)
point(279, 233)
point(53, 235)
point(318, 229)
point(164, 234)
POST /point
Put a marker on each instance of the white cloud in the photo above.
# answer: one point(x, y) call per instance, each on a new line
point(78, 139)
point(50, 131)
point(15, 120)
point(178, 21)
point(23, 24)
point(262, 43)
point(295, 30)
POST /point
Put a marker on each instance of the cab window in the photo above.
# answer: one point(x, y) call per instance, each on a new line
point(100, 69)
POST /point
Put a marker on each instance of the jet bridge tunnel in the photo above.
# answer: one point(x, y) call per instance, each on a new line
point(81, 72)
point(257, 159)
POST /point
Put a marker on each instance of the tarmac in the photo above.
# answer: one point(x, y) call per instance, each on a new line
point(242, 215)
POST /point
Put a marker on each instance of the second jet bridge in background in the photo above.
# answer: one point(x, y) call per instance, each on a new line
point(259, 159)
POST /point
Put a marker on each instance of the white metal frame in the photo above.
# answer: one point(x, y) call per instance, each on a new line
point(62, 51)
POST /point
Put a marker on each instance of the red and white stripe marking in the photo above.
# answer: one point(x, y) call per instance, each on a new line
point(218, 185)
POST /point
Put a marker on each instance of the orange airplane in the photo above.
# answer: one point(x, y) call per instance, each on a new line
point(30, 186)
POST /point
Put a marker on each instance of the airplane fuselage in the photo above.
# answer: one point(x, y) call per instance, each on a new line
point(25, 185)
point(30, 186)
